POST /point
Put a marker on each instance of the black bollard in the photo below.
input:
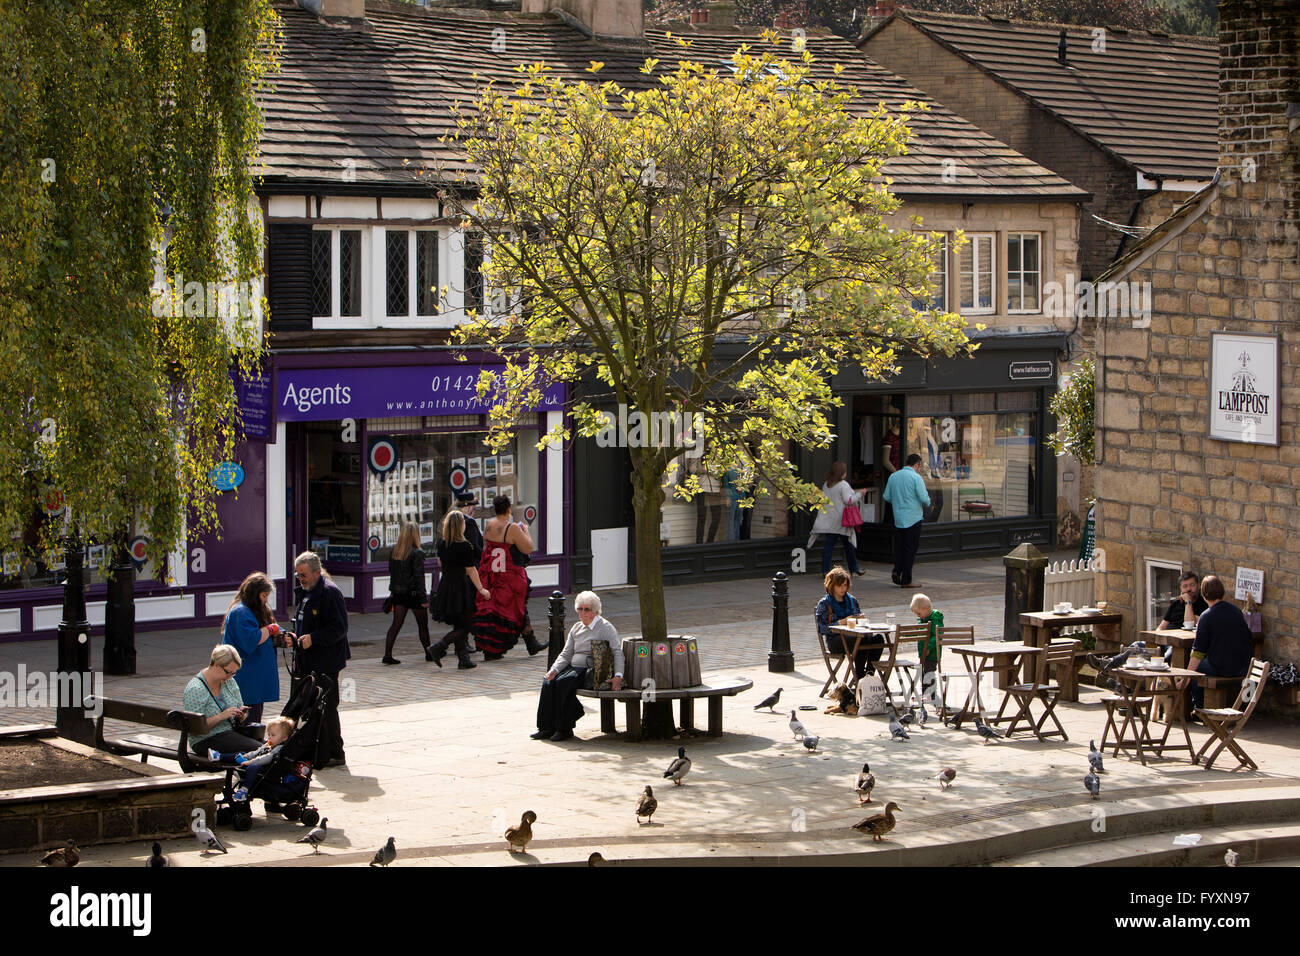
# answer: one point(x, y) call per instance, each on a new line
point(74, 654)
point(780, 660)
point(119, 614)
point(555, 613)
point(1025, 570)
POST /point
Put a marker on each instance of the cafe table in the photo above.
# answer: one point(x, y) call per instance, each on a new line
point(1040, 628)
point(1001, 657)
point(859, 635)
point(1135, 682)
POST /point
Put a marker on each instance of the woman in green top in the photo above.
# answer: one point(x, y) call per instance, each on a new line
point(214, 696)
point(928, 648)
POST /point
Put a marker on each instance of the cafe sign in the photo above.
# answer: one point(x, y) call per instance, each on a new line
point(1245, 375)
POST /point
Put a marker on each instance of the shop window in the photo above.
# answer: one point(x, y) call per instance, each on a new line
point(416, 488)
point(1162, 587)
point(976, 274)
point(713, 516)
point(976, 465)
point(21, 569)
point(938, 299)
point(333, 494)
point(1023, 272)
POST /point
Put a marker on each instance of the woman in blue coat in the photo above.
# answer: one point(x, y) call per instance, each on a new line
point(249, 627)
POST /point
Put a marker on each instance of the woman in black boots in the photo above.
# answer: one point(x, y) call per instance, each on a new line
point(406, 590)
point(458, 590)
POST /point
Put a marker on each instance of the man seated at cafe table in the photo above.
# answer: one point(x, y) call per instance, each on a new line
point(1185, 608)
point(1223, 646)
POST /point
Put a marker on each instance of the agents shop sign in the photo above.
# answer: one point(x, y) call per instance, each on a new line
point(334, 393)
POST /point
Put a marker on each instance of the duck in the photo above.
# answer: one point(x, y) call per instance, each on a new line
point(646, 805)
point(679, 768)
point(880, 824)
point(521, 835)
point(66, 855)
point(865, 783)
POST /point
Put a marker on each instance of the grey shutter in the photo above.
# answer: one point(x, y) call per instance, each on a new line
point(288, 292)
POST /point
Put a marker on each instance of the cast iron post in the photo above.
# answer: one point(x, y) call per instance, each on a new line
point(1025, 569)
point(556, 615)
point(74, 652)
point(780, 660)
point(119, 614)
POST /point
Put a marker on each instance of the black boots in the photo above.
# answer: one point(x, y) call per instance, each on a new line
point(530, 642)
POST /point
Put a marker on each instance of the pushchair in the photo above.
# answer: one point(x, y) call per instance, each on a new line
point(283, 785)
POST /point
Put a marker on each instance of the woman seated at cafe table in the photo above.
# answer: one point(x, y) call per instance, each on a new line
point(834, 607)
point(215, 697)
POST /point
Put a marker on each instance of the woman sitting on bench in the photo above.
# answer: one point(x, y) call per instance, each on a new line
point(212, 694)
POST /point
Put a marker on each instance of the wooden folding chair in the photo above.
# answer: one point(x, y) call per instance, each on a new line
point(1224, 723)
point(833, 661)
point(1114, 704)
point(908, 666)
point(948, 637)
point(1060, 653)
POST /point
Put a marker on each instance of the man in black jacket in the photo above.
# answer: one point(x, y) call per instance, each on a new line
point(321, 626)
point(473, 533)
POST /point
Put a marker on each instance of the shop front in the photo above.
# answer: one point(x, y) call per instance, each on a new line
point(374, 441)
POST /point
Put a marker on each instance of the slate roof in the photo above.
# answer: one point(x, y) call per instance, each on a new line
point(381, 95)
point(1149, 99)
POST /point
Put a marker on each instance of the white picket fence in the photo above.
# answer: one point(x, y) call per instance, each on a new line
point(1073, 581)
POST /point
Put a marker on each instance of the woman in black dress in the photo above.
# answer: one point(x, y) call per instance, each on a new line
point(406, 590)
point(458, 590)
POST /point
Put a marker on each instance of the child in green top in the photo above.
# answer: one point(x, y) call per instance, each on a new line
point(928, 648)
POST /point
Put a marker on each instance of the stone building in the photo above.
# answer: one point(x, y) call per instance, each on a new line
point(1193, 471)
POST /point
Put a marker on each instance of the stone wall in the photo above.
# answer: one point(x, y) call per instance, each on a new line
point(1166, 490)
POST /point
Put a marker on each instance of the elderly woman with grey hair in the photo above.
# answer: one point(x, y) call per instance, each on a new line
point(214, 696)
point(558, 709)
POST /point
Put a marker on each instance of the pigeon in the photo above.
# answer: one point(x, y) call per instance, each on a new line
point(1094, 758)
point(66, 855)
point(209, 841)
point(156, 859)
point(521, 835)
point(385, 854)
point(922, 717)
point(880, 824)
point(771, 702)
point(1104, 664)
point(1093, 783)
point(646, 805)
point(810, 742)
point(679, 768)
point(987, 732)
point(1231, 857)
point(865, 783)
point(896, 729)
point(946, 776)
point(797, 728)
point(908, 718)
point(316, 835)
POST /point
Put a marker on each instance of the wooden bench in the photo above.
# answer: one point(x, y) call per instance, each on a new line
point(152, 745)
point(1220, 691)
point(687, 695)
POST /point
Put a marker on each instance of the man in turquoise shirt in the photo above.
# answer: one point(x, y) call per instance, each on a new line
point(906, 492)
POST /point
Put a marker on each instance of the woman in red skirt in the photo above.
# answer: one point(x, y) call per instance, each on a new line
point(500, 617)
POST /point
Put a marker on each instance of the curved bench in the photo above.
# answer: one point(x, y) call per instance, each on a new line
point(633, 699)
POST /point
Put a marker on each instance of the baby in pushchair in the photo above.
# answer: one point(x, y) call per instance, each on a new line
point(251, 764)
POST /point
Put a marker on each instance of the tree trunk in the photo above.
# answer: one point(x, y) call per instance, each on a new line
point(647, 500)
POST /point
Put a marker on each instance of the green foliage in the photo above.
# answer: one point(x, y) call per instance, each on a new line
point(1075, 409)
point(112, 110)
point(712, 245)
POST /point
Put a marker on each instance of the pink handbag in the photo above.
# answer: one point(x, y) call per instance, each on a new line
point(852, 517)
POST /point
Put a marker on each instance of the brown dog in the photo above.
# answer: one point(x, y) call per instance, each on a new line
point(845, 701)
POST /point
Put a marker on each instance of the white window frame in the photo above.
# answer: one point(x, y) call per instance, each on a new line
point(992, 271)
point(1038, 236)
point(334, 320)
point(944, 270)
point(412, 318)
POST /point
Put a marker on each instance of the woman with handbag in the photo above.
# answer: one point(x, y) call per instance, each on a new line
point(406, 591)
point(840, 521)
point(499, 618)
point(558, 708)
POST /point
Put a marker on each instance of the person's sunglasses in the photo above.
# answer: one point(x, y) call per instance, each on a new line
point(228, 671)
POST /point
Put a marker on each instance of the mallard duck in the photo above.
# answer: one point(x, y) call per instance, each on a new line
point(865, 783)
point(946, 776)
point(521, 835)
point(880, 824)
point(64, 856)
point(646, 805)
point(679, 767)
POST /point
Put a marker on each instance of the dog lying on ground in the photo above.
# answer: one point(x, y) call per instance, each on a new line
point(844, 701)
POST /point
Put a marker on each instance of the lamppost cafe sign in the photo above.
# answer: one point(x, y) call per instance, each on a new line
point(1244, 387)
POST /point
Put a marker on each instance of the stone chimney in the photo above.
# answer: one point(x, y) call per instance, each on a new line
point(882, 11)
point(622, 19)
point(722, 15)
point(336, 9)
